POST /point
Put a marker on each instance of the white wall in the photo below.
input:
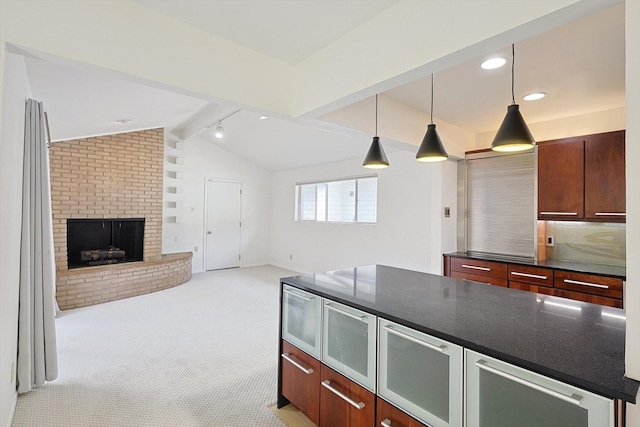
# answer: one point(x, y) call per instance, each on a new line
point(203, 159)
point(632, 296)
point(16, 91)
point(402, 236)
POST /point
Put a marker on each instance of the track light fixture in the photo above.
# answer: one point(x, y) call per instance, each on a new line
point(513, 134)
point(431, 149)
point(376, 158)
point(219, 132)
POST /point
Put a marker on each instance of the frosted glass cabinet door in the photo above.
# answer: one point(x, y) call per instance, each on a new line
point(420, 374)
point(349, 342)
point(500, 394)
point(301, 319)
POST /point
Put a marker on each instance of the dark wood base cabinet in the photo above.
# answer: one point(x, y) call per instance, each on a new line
point(301, 381)
point(388, 415)
point(344, 403)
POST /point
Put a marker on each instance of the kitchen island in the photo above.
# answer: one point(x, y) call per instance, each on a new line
point(573, 342)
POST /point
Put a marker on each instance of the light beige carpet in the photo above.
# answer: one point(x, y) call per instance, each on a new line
point(200, 354)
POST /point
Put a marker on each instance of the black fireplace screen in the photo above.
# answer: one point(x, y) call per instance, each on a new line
point(104, 241)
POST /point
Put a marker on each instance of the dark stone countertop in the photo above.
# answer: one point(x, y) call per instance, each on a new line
point(575, 342)
point(578, 267)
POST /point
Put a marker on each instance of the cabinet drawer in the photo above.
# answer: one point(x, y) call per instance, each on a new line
point(531, 288)
point(478, 278)
point(529, 274)
point(479, 268)
point(591, 298)
point(589, 284)
point(388, 415)
point(301, 381)
point(343, 402)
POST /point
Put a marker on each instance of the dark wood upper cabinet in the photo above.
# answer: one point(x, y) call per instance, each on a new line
point(561, 179)
point(604, 178)
point(582, 178)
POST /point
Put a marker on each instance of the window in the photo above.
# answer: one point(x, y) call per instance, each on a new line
point(346, 200)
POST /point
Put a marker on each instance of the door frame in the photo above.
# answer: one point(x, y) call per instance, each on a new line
point(204, 219)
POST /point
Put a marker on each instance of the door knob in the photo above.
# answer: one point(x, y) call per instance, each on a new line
point(208, 232)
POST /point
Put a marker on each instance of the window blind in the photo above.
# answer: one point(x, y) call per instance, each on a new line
point(501, 205)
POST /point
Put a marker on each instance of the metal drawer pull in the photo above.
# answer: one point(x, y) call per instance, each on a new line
point(476, 268)
point(386, 422)
point(440, 348)
point(287, 356)
point(302, 297)
point(353, 316)
point(327, 384)
point(559, 213)
point(593, 285)
point(533, 276)
point(574, 399)
point(611, 214)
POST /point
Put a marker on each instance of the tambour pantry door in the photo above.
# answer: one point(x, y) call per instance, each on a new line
point(223, 222)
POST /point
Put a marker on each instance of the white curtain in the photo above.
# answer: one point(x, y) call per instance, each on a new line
point(37, 354)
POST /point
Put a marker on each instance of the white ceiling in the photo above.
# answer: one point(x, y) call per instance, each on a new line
point(287, 30)
point(580, 66)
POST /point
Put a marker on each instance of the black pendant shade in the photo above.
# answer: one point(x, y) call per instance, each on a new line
point(431, 149)
point(375, 158)
point(513, 134)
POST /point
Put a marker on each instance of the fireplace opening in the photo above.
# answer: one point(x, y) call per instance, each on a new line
point(93, 242)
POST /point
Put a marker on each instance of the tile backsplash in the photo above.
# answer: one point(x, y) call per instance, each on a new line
point(585, 242)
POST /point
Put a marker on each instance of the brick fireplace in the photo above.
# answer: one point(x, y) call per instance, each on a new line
point(112, 177)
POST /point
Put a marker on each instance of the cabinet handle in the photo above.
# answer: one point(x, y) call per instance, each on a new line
point(287, 356)
point(386, 422)
point(346, 313)
point(440, 348)
point(574, 399)
point(559, 213)
point(593, 285)
point(302, 297)
point(533, 276)
point(473, 267)
point(610, 214)
point(327, 384)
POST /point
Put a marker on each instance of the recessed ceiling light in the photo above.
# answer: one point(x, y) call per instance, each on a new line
point(263, 117)
point(534, 96)
point(493, 63)
point(123, 121)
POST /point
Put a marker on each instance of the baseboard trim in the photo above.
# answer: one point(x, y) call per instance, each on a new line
point(286, 268)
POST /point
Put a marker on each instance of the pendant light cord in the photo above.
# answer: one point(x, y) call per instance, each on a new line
point(376, 114)
point(513, 64)
point(431, 98)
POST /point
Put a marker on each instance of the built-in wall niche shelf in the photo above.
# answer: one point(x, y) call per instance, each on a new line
point(174, 175)
point(174, 160)
point(172, 204)
point(173, 190)
point(173, 219)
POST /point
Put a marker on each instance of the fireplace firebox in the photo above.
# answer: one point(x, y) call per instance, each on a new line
point(101, 241)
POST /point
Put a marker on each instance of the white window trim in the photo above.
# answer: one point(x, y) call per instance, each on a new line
point(298, 201)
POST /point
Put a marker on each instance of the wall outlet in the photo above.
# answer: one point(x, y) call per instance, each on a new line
point(195, 249)
point(447, 212)
point(551, 240)
point(175, 238)
point(290, 256)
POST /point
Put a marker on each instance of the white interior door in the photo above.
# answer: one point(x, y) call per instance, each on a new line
point(224, 201)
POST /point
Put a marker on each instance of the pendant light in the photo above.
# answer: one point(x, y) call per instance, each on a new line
point(431, 149)
point(513, 134)
point(375, 158)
